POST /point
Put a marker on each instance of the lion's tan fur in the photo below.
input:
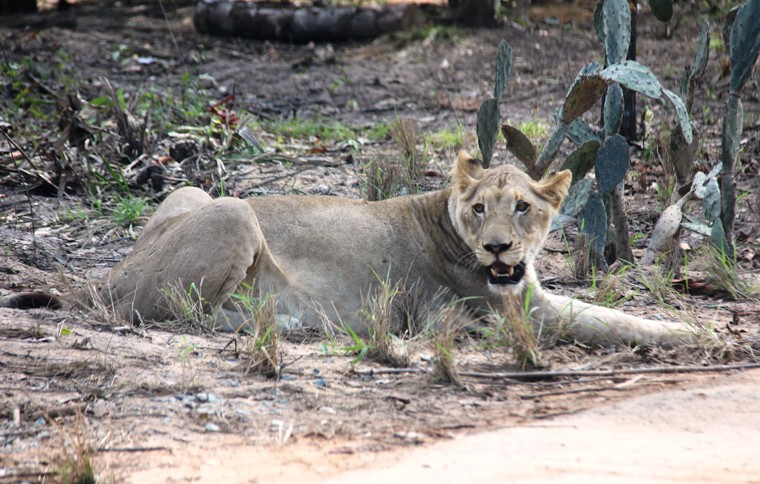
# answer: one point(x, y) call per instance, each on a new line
point(320, 255)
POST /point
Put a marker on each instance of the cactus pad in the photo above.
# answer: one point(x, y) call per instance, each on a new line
point(611, 163)
point(613, 109)
point(487, 128)
point(703, 52)
point(503, 68)
point(550, 150)
point(745, 43)
point(519, 145)
point(576, 198)
point(584, 93)
point(581, 160)
point(711, 201)
point(635, 77)
point(580, 132)
point(599, 20)
point(617, 30)
point(683, 115)
point(732, 131)
point(718, 237)
point(662, 9)
point(593, 221)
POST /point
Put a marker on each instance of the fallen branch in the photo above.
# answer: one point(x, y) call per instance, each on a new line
point(386, 371)
point(134, 449)
point(532, 375)
point(535, 375)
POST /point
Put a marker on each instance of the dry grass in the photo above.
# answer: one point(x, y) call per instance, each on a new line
point(383, 179)
point(392, 314)
point(582, 256)
point(76, 459)
point(515, 324)
point(261, 336)
point(445, 327)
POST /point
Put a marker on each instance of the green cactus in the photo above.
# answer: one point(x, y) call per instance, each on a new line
point(584, 93)
point(691, 76)
point(550, 150)
point(581, 160)
point(682, 113)
point(593, 222)
point(703, 52)
point(745, 43)
point(519, 145)
point(487, 128)
point(744, 49)
point(711, 201)
point(616, 25)
point(599, 20)
point(662, 9)
point(503, 68)
point(611, 163)
point(580, 132)
point(728, 23)
point(613, 110)
point(635, 77)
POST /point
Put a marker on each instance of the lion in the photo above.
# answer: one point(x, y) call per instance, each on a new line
point(475, 241)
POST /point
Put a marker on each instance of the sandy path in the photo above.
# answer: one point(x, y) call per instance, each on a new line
point(707, 433)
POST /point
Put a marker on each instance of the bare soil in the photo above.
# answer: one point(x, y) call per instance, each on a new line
point(152, 404)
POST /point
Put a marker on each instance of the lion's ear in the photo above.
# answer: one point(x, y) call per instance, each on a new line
point(554, 189)
point(466, 169)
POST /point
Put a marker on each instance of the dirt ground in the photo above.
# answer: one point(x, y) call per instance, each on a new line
point(151, 404)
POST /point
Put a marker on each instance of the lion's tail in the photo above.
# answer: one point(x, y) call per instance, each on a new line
point(31, 300)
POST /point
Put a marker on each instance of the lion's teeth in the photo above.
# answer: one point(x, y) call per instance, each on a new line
point(493, 271)
point(510, 270)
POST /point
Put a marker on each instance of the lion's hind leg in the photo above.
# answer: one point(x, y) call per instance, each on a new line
point(207, 251)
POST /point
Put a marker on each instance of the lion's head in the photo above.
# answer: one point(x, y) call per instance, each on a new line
point(503, 215)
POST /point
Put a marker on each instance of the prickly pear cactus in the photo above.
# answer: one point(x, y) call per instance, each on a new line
point(745, 43)
point(593, 221)
point(503, 68)
point(664, 231)
point(616, 24)
point(580, 132)
point(550, 150)
point(662, 9)
point(744, 49)
point(520, 146)
point(487, 128)
point(635, 77)
point(611, 163)
point(613, 110)
point(581, 160)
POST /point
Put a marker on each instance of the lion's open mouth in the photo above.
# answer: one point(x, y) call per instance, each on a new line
point(501, 273)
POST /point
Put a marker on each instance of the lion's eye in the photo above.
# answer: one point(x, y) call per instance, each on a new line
point(478, 208)
point(522, 206)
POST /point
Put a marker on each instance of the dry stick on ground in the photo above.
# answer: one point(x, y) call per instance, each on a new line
point(627, 371)
point(615, 388)
point(531, 375)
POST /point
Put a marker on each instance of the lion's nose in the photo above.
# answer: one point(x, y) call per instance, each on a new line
point(497, 248)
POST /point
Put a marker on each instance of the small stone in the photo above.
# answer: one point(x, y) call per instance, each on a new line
point(210, 427)
point(208, 397)
point(320, 382)
point(40, 422)
point(287, 377)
